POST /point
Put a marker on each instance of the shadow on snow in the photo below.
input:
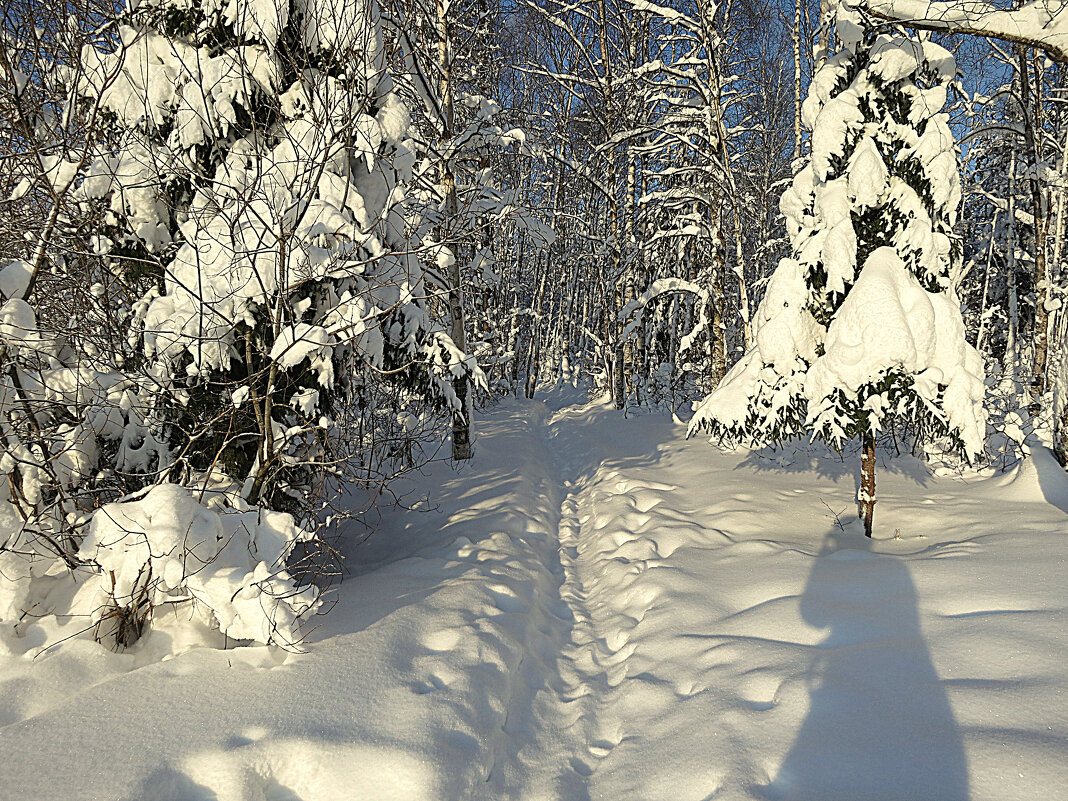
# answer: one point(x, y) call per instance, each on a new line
point(879, 724)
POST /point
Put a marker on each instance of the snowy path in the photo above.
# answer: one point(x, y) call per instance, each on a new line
point(600, 609)
point(574, 725)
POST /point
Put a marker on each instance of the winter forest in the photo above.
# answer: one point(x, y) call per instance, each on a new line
point(405, 400)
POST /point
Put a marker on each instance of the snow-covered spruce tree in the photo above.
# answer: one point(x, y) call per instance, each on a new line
point(273, 149)
point(861, 328)
point(252, 177)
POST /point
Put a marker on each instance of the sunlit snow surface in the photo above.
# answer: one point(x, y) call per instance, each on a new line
point(597, 608)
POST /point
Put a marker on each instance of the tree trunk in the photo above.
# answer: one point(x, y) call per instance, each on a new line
point(823, 45)
point(1060, 395)
point(1012, 344)
point(461, 418)
point(717, 303)
point(630, 268)
point(718, 134)
point(866, 496)
point(1032, 108)
point(796, 36)
point(536, 340)
point(1060, 320)
point(980, 334)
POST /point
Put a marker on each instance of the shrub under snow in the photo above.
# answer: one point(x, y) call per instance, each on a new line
point(169, 549)
point(163, 554)
point(247, 188)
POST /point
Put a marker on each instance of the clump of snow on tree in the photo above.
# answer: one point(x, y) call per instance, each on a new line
point(889, 322)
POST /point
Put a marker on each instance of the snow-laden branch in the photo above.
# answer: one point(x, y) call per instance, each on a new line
point(665, 286)
point(670, 15)
point(1039, 23)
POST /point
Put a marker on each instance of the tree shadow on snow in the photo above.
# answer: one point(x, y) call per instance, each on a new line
point(803, 457)
point(879, 724)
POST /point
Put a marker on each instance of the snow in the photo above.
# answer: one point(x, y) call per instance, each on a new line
point(658, 288)
point(621, 613)
point(895, 57)
point(258, 19)
point(197, 565)
point(18, 323)
point(889, 323)
point(218, 84)
point(394, 119)
point(823, 85)
point(343, 26)
point(140, 81)
point(838, 255)
point(785, 337)
point(868, 176)
point(784, 329)
point(1042, 23)
point(939, 61)
point(59, 172)
point(297, 342)
point(15, 278)
point(131, 178)
point(836, 122)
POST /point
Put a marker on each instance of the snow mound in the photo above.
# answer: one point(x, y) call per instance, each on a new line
point(166, 549)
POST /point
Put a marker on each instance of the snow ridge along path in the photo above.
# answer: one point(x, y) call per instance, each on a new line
point(596, 608)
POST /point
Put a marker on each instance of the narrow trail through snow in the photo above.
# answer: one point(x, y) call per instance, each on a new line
point(728, 638)
point(574, 727)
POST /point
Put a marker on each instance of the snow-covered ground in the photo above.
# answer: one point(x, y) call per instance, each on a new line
point(600, 609)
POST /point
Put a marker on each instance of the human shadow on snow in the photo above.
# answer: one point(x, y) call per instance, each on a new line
point(879, 724)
